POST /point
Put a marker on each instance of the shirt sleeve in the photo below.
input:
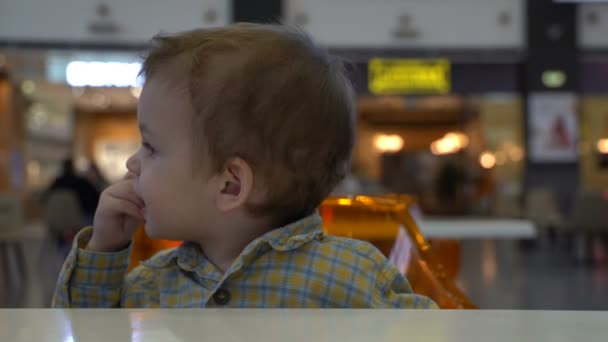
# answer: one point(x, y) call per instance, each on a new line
point(141, 289)
point(89, 279)
point(394, 291)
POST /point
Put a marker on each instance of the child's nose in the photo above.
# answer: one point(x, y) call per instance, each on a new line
point(133, 164)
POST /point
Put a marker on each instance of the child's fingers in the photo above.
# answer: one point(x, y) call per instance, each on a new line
point(134, 194)
point(125, 191)
point(126, 208)
point(128, 198)
point(129, 185)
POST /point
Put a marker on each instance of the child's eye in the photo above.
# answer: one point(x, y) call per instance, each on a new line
point(149, 149)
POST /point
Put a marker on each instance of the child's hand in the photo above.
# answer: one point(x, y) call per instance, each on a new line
point(118, 216)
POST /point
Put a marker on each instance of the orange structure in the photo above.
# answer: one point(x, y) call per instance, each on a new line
point(144, 247)
point(378, 219)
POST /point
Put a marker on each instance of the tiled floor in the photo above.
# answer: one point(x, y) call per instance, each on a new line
point(505, 275)
point(495, 274)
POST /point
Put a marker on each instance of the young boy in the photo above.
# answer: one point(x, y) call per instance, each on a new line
point(245, 130)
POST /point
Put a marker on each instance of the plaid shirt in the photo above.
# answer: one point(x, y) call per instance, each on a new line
point(296, 266)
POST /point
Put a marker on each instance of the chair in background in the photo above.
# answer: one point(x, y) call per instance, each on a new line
point(63, 218)
point(12, 254)
point(507, 206)
point(63, 214)
point(389, 223)
point(541, 207)
point(589, 220)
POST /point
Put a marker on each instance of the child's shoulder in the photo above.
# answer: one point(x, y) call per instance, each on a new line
point(361, 262)
point(347, 248)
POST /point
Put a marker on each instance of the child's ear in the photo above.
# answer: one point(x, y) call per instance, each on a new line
point(235, 186)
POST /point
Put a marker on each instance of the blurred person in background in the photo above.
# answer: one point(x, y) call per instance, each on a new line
point(449, 186)
point(85, 191)
point(70, 203)
point(95, 176)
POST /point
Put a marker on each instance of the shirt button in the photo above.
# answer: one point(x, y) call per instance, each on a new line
point(221, 297)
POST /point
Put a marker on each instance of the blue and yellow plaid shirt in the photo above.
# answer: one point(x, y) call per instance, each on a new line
point(296, 266)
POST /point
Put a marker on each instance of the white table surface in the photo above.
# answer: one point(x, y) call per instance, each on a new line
point(301, 325)
point(476, 228)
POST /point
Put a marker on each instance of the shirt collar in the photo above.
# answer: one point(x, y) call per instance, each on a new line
point(189, 256)
point(294, 235)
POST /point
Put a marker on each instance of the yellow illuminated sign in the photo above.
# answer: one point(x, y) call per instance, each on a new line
point(409, 76)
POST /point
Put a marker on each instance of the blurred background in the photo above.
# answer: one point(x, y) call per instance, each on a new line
point(492, 113)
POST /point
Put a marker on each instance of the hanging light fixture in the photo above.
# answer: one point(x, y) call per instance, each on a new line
point(386, 143)
point(487, 160)
point(450, 143)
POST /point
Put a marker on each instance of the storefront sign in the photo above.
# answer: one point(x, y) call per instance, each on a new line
point(409, 76)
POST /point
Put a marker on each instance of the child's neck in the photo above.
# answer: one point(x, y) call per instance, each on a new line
point(229, 241)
